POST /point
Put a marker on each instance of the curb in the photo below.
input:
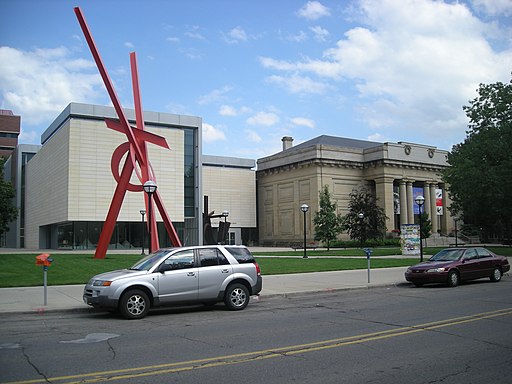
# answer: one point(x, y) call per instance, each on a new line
point(41, 311)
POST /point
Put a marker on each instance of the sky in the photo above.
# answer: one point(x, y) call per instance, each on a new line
point(255, 71)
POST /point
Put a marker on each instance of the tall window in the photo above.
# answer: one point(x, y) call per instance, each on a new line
point(189, 173)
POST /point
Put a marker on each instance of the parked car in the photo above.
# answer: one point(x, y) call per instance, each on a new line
point(453, 265)
point(200, 274)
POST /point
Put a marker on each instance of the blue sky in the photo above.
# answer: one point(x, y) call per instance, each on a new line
point(381, 70)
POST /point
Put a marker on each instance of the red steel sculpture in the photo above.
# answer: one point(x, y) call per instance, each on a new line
point(136, 151)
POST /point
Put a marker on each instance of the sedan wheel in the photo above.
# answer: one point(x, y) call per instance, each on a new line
point(236, 297)
point(134, 304)
point(496, 275)
point(453, 279)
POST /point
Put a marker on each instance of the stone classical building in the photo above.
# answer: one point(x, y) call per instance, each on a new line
point(395, 172)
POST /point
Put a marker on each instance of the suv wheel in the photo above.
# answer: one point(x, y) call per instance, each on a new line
point(236, 297)
point(134, 304)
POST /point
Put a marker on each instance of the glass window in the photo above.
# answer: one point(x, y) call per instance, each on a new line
point(241, 254)
point(181, 260)
point(447, 255)
point(470, 254)
point(482, 252)
point(208, 257)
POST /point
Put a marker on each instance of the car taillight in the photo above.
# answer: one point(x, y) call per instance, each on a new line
point(258, 270)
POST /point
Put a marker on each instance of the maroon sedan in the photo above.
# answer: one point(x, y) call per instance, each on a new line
point(452, 265)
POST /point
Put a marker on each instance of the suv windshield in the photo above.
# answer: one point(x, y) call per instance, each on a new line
point(447, 255)
point(242, 255)
point(149, 261)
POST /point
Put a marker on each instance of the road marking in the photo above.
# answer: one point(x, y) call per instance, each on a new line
point(160, 369)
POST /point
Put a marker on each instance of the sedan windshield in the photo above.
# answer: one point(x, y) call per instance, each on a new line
point(149, 261)
point(447, 255)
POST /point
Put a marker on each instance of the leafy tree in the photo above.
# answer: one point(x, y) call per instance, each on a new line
point(8, 212)
point(371, 224)
point(327, 222)
point(480, 172)
point(426, 226)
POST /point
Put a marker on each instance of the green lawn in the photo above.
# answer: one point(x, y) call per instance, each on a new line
point(19, 270)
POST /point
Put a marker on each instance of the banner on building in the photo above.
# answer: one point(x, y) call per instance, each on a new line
point(410, 239)
point(439, 202)
point(417, 191)
point(396, 200)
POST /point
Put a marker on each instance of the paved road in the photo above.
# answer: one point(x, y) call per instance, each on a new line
point(394, 334)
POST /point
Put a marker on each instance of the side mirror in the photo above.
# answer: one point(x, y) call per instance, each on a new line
point(164, 268)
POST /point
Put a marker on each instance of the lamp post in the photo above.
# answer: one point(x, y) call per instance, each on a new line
point(361, 217)
point(225, 214)
point(420, 200)
point(150, 188)
point(142, 213)
point(304, 208)
point(455, 222)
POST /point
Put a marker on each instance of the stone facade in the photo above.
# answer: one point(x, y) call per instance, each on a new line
point(395, 172)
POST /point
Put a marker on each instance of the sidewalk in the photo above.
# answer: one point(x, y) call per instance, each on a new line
point(69, 297)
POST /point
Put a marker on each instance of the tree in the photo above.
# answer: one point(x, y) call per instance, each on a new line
point(426, 226)
point(8, 212)
point(371, 224)
point(480, 172)
point(327, 222)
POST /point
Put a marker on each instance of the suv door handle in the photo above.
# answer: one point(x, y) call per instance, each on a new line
point(191, 274)
point(225, 271)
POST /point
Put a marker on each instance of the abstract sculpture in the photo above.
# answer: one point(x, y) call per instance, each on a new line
point(136, 150)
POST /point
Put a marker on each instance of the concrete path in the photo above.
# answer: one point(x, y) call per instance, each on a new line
point(69, 297)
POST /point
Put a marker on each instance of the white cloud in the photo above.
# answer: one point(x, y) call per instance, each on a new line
point(263, 118)
point(319, 33)
point(299, 84)
point(236, 35)
point(194, 33)
point(173, 39)
point(378, 137)
point(129, 45)
point(210, 133)
point(303, 122)
point(27, 136)
point(228, 110)
point(414, 64)
point(253, 136)
point(494, 7)
point(299, 37)
point(322, 68)
point(214, 96)
point(313, 10)
point(39, 84)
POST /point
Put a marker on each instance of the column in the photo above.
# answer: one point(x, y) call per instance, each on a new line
point(403, 202)
point(428, 202)
point(410, 206)
point(447, 223)
point(433, 212)
point(384, 194)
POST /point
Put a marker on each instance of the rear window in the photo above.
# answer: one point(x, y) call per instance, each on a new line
point(242, 255)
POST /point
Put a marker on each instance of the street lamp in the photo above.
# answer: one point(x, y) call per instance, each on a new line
point(455, 222)
point(361, 217)
point(142, 213)
point(420, 200)
point(150, 188)
point(225, 214)
point(304, 208)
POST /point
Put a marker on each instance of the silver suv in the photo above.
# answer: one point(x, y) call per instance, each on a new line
point(204, 274)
